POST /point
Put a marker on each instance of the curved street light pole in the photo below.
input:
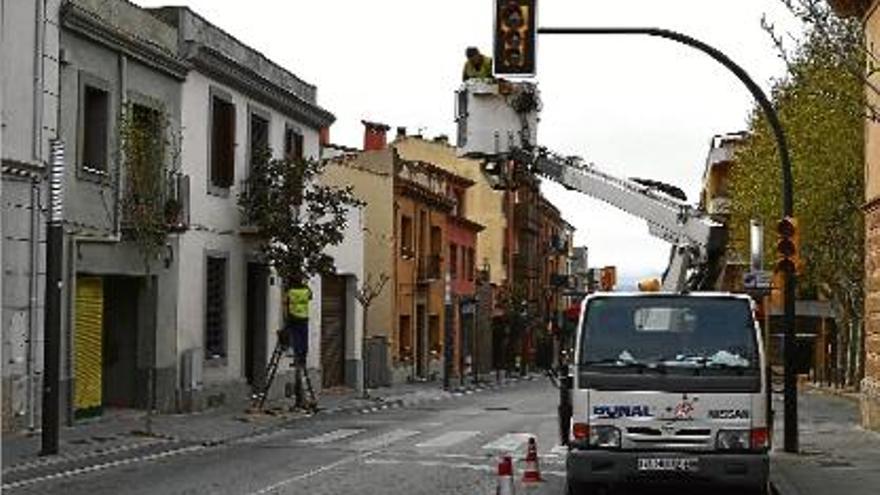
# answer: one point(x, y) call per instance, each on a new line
point(791, 429)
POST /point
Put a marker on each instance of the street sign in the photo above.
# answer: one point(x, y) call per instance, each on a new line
point(762, 280)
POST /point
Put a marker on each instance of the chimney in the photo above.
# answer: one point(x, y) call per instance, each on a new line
point(375, 135)
point(324, 136)
point(401, 132)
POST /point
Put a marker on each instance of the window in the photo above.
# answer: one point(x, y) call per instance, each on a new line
point(95, 128)
point(258, 142)
point(459, 202)
point(403, 338)
point(215, 308)
point(679, 333)
point(469, 264)
point(453, 261)
point(406, 236)
point(147, 125)
point(436, 240)
point(293, 144)
point(222, 142)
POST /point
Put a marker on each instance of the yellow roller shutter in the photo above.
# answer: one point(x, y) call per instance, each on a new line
point(88, 362)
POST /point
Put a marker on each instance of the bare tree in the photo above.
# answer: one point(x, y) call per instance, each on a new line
point(370, 289)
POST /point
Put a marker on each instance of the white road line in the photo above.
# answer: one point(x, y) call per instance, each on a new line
point(332, 436)
point(448, 439)
point(99, 467)
point(309, 474)
point(383, 440)
point(512, 442)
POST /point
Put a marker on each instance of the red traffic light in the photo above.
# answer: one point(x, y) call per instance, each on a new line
point(787, 227)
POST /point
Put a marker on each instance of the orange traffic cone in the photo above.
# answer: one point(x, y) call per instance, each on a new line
point(532, 472)
point(505, 476)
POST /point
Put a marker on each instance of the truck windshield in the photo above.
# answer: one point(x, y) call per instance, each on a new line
point(666, 334)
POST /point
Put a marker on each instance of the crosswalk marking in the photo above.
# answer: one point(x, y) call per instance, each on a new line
point(332, 436)
point(512, 442)
point(448, 439)
point(384, 439)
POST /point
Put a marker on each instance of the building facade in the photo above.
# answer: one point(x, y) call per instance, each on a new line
point(192, 324)
point(236, 104)
point(484, 206)
point(870, 386)
point(29, 47)
point(418, 234)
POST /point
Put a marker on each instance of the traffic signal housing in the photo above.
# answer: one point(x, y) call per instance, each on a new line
point(515, 37)
point(788, 245)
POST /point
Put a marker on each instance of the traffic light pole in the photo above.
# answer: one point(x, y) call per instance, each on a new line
point(791, 414)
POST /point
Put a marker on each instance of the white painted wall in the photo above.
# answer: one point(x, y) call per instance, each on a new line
point(349, 257)
point(214, 226)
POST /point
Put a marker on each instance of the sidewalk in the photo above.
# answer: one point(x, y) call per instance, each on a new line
point(837, 455)
point(123, 433)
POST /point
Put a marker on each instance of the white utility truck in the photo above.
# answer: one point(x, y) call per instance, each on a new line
point(666, 387)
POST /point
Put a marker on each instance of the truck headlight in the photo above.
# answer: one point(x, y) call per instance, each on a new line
point(733, 440)
point(605, 436)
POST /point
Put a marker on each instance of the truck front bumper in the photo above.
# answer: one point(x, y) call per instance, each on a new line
point(614, 468)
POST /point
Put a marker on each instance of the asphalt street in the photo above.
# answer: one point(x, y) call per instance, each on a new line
point(447, 446)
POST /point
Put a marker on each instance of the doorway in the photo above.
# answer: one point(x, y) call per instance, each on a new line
point(333, 323)
point(421, 337)
point(256, 333)
point(120, 341)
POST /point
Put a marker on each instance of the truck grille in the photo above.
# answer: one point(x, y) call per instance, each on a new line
point(655, 438)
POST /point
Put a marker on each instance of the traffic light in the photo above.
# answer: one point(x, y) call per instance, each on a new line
point(608, 278)
point(787, 246)
point(515, 35)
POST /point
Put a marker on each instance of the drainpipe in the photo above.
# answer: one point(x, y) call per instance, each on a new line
point(39, 40)
point(33, 285)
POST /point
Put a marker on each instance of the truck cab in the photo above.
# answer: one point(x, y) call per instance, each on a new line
point(668, 388)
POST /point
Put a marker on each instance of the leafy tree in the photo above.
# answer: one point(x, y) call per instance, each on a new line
point(296, 217)
point(149, 156)
point(822, 106)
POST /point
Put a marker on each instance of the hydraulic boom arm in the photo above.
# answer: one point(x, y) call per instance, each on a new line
point(697, 240)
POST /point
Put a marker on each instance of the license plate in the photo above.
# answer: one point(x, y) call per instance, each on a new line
point(680, 464)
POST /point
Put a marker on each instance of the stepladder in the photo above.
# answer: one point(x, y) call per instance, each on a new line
point(261, 391)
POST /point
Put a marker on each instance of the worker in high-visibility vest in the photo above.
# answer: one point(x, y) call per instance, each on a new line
point(298, 299)
point(297, 316)
point(478, 66)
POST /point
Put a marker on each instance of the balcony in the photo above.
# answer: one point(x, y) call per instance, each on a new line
point(526, 216)
point(429, 268)
point(173, 205)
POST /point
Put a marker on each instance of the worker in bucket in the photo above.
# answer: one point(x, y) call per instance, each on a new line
point(477, 66)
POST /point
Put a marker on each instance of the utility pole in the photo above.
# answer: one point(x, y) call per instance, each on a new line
point(51, 417)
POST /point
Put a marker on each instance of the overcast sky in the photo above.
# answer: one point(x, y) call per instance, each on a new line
point(634, 106)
